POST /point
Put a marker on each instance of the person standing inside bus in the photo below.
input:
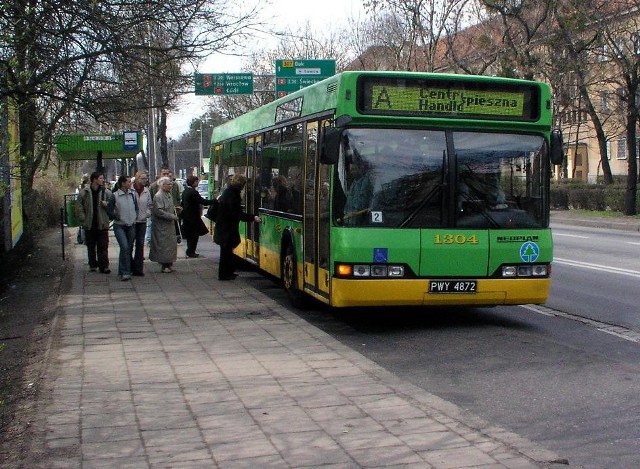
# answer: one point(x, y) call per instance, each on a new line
point(359, 194)
point(283, 197)
point(227, 234)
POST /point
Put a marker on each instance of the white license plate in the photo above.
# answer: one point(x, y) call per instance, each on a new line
point(453, 286)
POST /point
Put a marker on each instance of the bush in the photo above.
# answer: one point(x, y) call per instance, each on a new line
point(559, 197)
point(614, 198)
point(587, 197)
point(42, 206)
point(597, 197)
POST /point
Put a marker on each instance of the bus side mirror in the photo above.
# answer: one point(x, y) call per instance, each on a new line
point(330, 147)
point(557, 151)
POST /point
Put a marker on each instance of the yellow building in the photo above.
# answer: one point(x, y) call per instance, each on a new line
point(609, 37)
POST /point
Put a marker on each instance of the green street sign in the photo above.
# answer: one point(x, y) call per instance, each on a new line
point(86, 147)
point(292, 75)
point(223, 83)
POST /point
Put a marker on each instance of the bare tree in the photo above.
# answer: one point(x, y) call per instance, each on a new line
point(300, 43)
point(424, 24)
point(574, 69)
point(473, 42)
point(82, 65)
point(525, 23)
point(620, 45)
point(379, 43)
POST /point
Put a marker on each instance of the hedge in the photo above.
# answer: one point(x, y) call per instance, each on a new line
point(582, 196)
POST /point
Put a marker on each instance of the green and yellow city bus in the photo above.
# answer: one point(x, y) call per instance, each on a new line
point(399, 188)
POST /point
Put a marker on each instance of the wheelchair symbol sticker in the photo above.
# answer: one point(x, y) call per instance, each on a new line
point(380, 254)
point(529, 252)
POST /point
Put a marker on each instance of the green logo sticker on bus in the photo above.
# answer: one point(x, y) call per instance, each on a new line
point(529, 252)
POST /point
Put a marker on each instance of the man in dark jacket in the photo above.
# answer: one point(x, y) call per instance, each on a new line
point(192, 225)
point(93, 199)
point(227, 233)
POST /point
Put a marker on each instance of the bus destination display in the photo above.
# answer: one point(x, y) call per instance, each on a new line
point(442, 99)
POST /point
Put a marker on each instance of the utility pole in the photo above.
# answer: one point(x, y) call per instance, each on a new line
point(200, 153)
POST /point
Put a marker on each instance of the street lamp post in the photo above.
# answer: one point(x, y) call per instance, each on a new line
point(200, 153)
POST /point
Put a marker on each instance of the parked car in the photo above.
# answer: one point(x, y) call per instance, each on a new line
point(203, 188)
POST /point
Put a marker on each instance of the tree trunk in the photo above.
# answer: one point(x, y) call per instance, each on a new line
point(602, 138)
point(632, 162)
point(28, 162)
point(162, 136)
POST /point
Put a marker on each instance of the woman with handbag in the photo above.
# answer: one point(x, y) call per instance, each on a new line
point(192, 225)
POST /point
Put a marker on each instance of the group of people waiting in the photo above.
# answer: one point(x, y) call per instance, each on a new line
point(135, 204)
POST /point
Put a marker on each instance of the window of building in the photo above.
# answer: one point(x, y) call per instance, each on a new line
point(604, 100)
point(603, 53)
point(635, 42)
point(621, 154)
point(619, 45)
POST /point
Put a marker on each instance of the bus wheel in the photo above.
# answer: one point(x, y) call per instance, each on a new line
point(290, 278)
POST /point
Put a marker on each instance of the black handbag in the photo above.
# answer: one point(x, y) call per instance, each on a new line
point(212, 211)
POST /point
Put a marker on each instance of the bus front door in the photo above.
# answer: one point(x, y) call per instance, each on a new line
point(316, 217)
point(253, 197)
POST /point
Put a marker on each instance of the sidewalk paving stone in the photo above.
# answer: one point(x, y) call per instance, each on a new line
point(180, 370)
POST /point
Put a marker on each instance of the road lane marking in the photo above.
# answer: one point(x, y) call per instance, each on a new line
point(555, 233)
point(621, 332)
point(602, 268)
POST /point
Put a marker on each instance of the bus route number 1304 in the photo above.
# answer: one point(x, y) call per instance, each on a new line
point(448, 238)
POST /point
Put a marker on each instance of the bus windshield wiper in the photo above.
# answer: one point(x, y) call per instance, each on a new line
point(481, 209)
point(422, 204)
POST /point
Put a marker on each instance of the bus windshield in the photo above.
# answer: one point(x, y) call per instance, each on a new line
point(406, 178)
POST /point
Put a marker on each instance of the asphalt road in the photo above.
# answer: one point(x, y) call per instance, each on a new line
point(596, 274)
point(558, 379)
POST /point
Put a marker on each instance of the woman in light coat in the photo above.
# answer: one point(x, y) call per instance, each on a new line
point(164, 246)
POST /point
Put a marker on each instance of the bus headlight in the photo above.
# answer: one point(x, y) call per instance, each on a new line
point(539, 271)
point(361, 270)
point(529, 270)
point(369, 270)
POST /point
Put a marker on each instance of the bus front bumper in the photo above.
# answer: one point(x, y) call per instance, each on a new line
point(345, 293)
